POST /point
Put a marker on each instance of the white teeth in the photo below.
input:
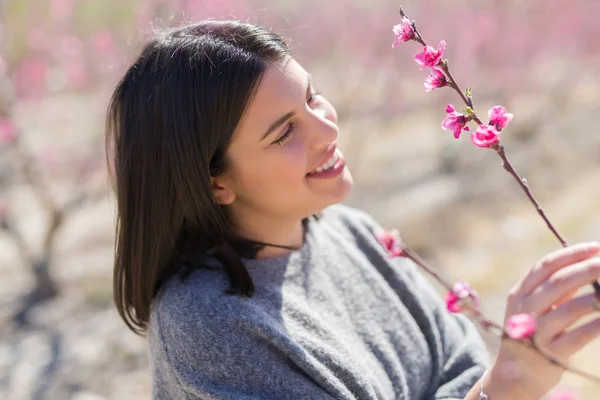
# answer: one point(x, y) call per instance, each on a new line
point(328, 164)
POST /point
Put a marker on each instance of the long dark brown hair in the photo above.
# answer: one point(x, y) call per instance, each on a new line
point(169, 123)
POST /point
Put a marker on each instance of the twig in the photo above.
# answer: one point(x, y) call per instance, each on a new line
point(488, 324)
point(498, 148)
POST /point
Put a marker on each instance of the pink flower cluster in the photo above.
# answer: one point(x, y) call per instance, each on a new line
point(518, 326)
point(429, 57)
point(460, 294)
point(391, 242)
point(486, 135)
point(521, 326)
point(489, 135)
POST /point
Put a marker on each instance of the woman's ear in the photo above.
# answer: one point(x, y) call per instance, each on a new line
point(221, 191)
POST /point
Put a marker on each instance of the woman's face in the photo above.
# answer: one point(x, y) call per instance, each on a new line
point(286, 137)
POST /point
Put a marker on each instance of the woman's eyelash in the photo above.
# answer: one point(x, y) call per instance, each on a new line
point(313, 95)
point(286, 136)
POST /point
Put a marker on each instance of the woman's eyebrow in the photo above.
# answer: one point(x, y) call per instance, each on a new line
point(277, 124)
point(281, 120)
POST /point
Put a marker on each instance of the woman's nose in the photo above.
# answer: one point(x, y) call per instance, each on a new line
point(323, 130)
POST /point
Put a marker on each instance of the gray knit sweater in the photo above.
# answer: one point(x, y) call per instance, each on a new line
point(337, 319)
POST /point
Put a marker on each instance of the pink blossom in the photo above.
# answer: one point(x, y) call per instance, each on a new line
point(8, 132)
point(431, 57)
point(499, 118)
point(391, 242)
point(404, 31)
point(485, 136)
point(459, 294)
point(462, 289)
point(521, 326)
point(455, 121)
point(435, 79)
point(452, 302)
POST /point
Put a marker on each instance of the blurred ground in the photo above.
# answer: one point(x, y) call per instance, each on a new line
point(452, 202)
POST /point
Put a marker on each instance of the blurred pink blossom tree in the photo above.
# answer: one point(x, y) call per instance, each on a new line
point(54, 57)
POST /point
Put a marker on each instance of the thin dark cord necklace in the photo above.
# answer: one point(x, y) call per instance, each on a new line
point(304, 225)
point(281, 246)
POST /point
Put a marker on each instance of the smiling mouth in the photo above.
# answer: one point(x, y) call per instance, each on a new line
point(331, 151)
point(327, 164)
point(331, 168)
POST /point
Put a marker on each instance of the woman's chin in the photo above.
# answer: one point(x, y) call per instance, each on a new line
point(340, 191)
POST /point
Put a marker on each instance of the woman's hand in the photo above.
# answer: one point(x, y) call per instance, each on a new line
point(547, 293)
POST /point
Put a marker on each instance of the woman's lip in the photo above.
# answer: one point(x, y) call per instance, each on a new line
point(335, 170)
point(326, 157)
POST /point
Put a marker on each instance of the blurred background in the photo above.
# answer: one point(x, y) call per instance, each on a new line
point(60, 336)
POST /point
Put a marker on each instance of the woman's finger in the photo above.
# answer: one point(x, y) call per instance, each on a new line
point(576, 339)
point(553, 323)
point(565, 298)
point(554, 261)
point(561, 284)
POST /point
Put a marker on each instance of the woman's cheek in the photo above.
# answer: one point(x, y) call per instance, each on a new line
point(295, 162)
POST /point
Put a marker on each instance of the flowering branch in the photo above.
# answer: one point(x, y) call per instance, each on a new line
point(520, 327)
point(486, 135)
point(515, 324)
point(416, 36)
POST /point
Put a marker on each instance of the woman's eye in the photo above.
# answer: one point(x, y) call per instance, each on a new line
point(292, 127)
point(286, 136)
point(313, 95)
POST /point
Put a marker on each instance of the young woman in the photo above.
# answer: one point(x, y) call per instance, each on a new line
point(251, 282)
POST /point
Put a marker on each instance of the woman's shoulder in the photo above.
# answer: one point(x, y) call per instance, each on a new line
point(196, 313)
point(198, 334)
point(193, 300)
point(200, 307)
point(350, 216)
point(346, 221)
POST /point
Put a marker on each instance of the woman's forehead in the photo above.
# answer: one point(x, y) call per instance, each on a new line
point(280, 81)
point(280, 89)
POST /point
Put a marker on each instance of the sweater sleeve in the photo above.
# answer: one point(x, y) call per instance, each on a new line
point(204, 352)
point(464, 355)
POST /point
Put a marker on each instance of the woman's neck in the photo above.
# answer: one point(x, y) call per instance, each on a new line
point(271, 230)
